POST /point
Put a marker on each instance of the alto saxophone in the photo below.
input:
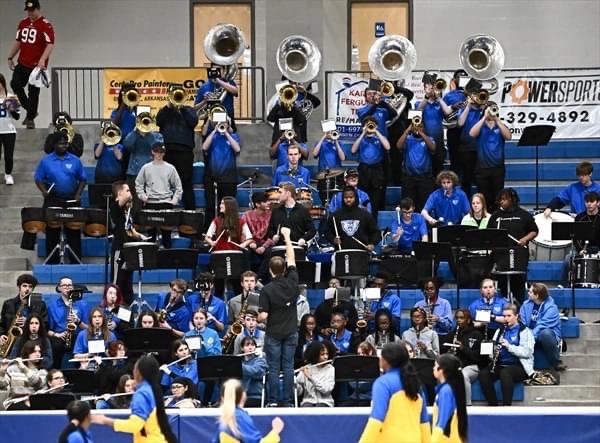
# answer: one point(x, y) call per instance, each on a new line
point(14, 332)
point(364, 314)
point(236, 328)
point(71, 327)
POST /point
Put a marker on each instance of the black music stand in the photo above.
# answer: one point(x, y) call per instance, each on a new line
point(432, 251)
point(216, 369)
point(64, 215)
point(147, 340)
point(538, 135)
point(100, 196)
point(139, 256)
point(509, 261)
point(81, 381)
point(482, 240)
point(353, 369)
point(157, 218)
point(583, 231)
point(178, 258)
point(50, 402)
point(403, 270)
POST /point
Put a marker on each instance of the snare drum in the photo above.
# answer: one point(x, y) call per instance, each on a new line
point(33, 220)
point(190, 222)
point(299, 252)
point(587, 272)
point(317, 212)
point(95, 225)
point(543, 248)
point(272, 195)
point(350, 264)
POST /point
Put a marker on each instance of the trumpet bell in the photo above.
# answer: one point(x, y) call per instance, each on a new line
point(289, 134)
point(177, 96)
point(371, 127)
point(481, 97)
point(334, 135)
point(298, 58)
point(481, 56)
point(386, 89)
point(440, 85)
point(288, 95)
point(216, 109)
point(111, 134)
point(68, 130)
point(224, 44)
point(392, 57)
point(145, 123)
point(131, 98)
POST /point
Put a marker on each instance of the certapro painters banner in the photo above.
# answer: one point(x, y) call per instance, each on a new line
point(566, 98)
point(152, 84)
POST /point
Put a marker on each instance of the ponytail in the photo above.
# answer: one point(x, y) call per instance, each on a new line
point(230, 397)
point(64, 436)
point(396, 355)
point(451, 366)
point(77, 412)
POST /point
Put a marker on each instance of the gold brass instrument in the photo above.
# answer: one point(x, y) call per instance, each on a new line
point(68, 130)
point(386, 88)
point(334, 135)
point(288, 95)
point(176, 95)
point(439, 86)
point(71, 327)
point(481, 56)
point(289, 134)
point(371, 127)
point(494, 110)
point(481, 97)
point(14, 332)
point(216, 109)
point(235, 329)
point(111, 134)
point(132, 98)
point(417, 123)
point(145, 123)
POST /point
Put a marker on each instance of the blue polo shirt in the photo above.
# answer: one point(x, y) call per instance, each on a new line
point(282, 153)
point(81, 343)
point(179, 315)
point(108, 168)
point(58, 312)
point(344, 344)
point(221, 158)
point(65, 172)
point(412, 231)
point(417, 157)
point(468, 143)
point(389, 301)
point(210, 86)
point(328, 156)
point(490, 147)
point(127, 122)
point(574, 194)
point(214, 306)
point(300, 180)
point(432, 119)
point(380, 114)
point(451, 207)
point(370, 150)
point(496, 308)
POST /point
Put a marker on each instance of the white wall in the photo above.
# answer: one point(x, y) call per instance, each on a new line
point(534, 33)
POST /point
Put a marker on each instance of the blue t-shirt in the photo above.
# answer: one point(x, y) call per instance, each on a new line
point(300, 180)
point(417, 157)
point(468, 143)
point(452, 208)
point(64, 172)
point(127, 122)
point(328, 156)
point(77, 437)
point(381, 114)
point(490, 147)
point(370, 150)
point(221, 159)
point(211, 86)
point(412, 231)
point(108, 167)
point(282, 153)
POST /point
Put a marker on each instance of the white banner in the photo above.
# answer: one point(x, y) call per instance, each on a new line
point(566, 98)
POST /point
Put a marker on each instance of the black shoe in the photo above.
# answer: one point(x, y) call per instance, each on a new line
point(560, 367)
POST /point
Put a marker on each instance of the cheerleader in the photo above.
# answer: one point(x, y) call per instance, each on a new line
point(97, 330)
point(23, 378)
point(235, 424)
point(450, 421)
point(77, 431)
point(316, 380)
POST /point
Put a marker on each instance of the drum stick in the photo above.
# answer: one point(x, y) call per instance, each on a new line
point(398, 214)
point(238, 245)
point(359, 242)
point(50, 188)
point(337, 234)
point(218, 238)
point(516, 241)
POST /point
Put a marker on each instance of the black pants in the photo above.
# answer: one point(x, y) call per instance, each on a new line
point(417, 188)
point(439, 156)
point(453, 140)
point(120, 276)
point(59, 349)
point(136, 203)
point(466, 164)
point(508, 375)
point(19, 80)
point(372, 181)
point(490, 182)
point(166, 235)
point(7, 143)
point(72, 236)
point(183, 160)
point(223, 190)
point(517, 286)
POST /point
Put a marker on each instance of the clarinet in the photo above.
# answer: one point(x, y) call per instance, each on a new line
point(497, 349)
point(454, 350)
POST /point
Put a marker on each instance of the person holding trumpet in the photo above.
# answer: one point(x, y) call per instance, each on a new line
point(371, 147)
point(108, 154)
point(377, 108)
point(329, 151)
point(280, 147)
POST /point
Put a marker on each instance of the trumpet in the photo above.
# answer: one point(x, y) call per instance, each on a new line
point(288, 95)
point(176, 95)
point(131, 98)
point(494, 110)
point(334, 135)
point(145, 123)
point(481, 97)
point(289, 134)
point(439, 86)
point(417, 123)
point(371, 127)
point(111, 134)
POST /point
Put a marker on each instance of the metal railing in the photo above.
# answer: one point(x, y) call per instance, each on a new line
point(79, 91)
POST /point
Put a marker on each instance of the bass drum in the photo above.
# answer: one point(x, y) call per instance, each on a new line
point(543, 248)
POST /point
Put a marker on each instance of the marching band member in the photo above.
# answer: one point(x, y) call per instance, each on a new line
point(125, 117)
point(257, 220)
point(345, 341)
point(97, 330)
point(229, 230)
point(23, 378)
point(110, 371)
point(478, 215)
point(126, 384)
point(448, 204)
point(279, 150)
point(398, 409)
point(254, 368)
point(112, 300)
point(377, 108)
point(371, 146)
point(384, 333)
point(210, 343)
point(59, 121)
point(78, 429)
point(332, 302)
point(221, 148)
point(235, 424)
point(281, 111)
point(109, 168)
point(540, 314)
point(438, 309)
point(455, 98)
point(450, 420)
point(34, 330)
point(214, 307)
point(148, 421)
point(467, 147)
point(250, 330)
point(184, 368)
point(292, 171)
point(350, 179)
point(468, 350)
point(184, 394)
point(8, 133)
point(308, 332)
point(218, 83)
point(423, 339)
point(292, 215)
point(249, 296)
point(172, 308)
point(389, 300)
point(512, 359)
point(417, 149)
point(54, 379)
point(352, 227)
point(315, 381)
point(147, 319)
point(397, 128)
point(492, 302)
point(490, 134)
point(22, 305)
point(575, 192)
point(329, 152)
point(408, 227)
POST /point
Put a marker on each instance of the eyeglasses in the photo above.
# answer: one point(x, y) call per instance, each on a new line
point(176, 386)
point(58, 378)
point(407, 212)
point(65, 286)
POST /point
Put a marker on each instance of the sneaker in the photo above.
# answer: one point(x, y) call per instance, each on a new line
point(560, 367)
point(29, 124)
point(8, 179)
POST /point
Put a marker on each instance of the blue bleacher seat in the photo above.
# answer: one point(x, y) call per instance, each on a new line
point(477, 393)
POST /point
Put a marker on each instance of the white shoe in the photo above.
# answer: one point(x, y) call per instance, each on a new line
point(8, 179)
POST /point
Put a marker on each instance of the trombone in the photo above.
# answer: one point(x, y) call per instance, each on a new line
point(481, 97)
point(176, 95)
point(144, 123)
point(131, 98)
point(386, 89)
point(111, 134)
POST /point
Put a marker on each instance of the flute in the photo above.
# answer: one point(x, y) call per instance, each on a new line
point(313, 366)
point(12, 360)
point(104, 397)
point(78, 360)
point(258, 351)
point(8, 402)
point(337, 234)
point(162, 368)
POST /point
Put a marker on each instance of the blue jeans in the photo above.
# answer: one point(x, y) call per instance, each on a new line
point(280, 357)
point(549, 344)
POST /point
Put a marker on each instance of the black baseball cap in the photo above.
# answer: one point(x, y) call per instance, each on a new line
point(159, 146)
point(30, 5)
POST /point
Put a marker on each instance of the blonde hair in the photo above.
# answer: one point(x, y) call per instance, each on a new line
point(231, 396)
point(481, 198)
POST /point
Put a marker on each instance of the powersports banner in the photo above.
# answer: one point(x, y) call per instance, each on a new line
point(566, 98)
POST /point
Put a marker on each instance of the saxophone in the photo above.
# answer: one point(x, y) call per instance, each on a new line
point(14, 332)
point(71, 327)
point(236, 328)
point(497, 349)
point(363, 315)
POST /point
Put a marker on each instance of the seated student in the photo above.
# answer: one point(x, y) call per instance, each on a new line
point(112, 300)
point(292, 171)
point(302, 306)
point(34, 330)
point(172, 308)
point(248, 298)
point(205, 299)
point(22, 378)
point(478, 215)
point(512, 359)
point(468, 339)
point(350, 179)
point(147, 319)
point(332, 302)
point(108, 167)
point(254, 368)
point(384, 332)
point(55, 380)
point(210, 343)
point(362, 390)
point(389, 300)
point(307, 333)
point(110, 371)
point(228, 231)
point(448, 204)
point(257, 220)
point(423, 339)
point(125, 385)
point(186, 367)
point(490, 301)
point(408, 227)
point(78, 429)
point(97, 330)
point(250, 330)
point(438, 309)
point(183, 394)
point(574, 193)
point(540, 314)
point(343, 339)
point(279, 150)
point(315, 381)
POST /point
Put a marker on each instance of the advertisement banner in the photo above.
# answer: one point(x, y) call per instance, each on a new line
point(152, 84)
point(566, 98)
